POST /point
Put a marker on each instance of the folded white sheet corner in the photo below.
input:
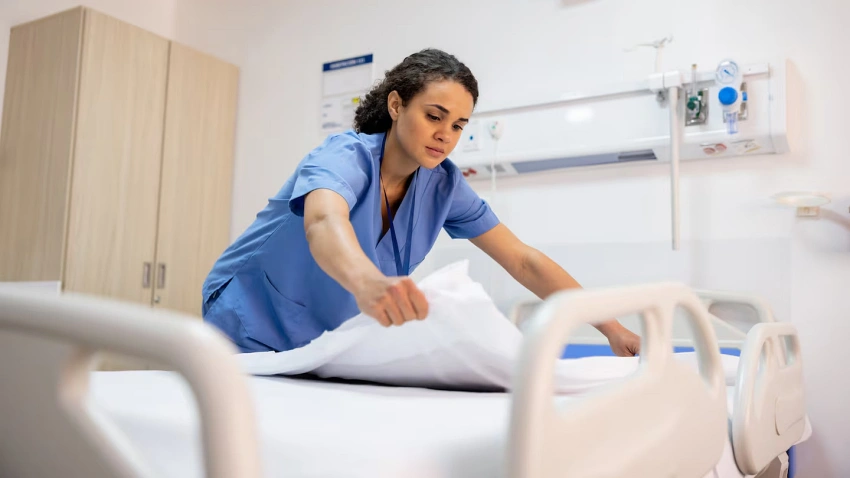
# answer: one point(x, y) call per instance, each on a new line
point(465, 344)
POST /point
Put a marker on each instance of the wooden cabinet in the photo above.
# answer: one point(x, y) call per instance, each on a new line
point(116, 156)
point(197, 178)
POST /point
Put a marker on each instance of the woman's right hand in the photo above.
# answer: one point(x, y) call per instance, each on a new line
point(391, 300)
point(336, 248)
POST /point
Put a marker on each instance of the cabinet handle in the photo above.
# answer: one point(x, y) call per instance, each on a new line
point(146, 275)
point(160, 279)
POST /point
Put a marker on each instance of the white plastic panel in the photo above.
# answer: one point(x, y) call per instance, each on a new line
point(770, 413)
point(47, 345)
point(676, 418)
point(575, 130)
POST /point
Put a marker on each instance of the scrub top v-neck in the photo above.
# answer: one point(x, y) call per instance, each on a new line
point(267, 293)
point(402, 262)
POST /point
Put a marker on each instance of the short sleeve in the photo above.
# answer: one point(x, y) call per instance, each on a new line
point(343, 164)
point(469, 215)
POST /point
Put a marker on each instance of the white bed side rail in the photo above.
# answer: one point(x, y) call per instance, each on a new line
point(770, 413)
point(721, 305)
point(666, 420)
point(83, 325)
point(727, 308)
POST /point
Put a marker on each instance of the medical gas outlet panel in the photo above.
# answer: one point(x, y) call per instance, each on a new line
point(729, 110)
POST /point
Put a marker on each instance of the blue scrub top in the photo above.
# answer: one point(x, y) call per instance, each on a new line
point(266, 291)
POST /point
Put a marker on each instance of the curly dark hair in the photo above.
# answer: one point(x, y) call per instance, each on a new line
point(408, 78)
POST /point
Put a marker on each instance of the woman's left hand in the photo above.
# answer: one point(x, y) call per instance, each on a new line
point(624, 342)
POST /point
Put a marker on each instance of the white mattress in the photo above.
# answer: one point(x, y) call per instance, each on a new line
point(315, 428)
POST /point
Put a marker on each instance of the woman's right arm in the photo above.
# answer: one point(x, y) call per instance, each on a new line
point(334, 246)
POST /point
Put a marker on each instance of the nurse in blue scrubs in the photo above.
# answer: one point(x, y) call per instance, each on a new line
point(361, 211)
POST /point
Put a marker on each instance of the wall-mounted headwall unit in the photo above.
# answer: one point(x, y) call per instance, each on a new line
point(628, 123)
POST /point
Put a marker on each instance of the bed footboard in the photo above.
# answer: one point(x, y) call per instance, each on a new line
point(666, 420)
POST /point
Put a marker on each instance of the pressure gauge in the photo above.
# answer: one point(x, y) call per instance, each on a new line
point(727, 72)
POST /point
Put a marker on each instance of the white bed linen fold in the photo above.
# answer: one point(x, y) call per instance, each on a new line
point(465, 343)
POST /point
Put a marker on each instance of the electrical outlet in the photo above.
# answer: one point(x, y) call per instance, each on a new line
point(471, 140)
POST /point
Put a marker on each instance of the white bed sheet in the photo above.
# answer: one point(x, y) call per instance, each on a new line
point(466, 343)
point(315, 428)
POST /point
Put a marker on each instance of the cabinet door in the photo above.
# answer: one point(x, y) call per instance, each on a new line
point(35, 146)
point(117, 158)
point(195, 199)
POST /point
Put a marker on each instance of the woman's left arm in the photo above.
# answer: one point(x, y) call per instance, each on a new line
point(542, 276)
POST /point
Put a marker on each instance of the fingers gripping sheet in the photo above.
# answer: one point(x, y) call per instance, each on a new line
point(465, 343)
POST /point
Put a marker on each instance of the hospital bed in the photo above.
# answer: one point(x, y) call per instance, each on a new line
point(201, 415)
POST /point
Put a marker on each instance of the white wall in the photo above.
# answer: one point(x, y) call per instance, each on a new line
point(156, 16)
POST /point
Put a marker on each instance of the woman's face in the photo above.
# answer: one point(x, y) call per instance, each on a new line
point(430, 125)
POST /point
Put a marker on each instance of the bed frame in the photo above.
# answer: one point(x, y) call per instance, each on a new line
point(666, 420)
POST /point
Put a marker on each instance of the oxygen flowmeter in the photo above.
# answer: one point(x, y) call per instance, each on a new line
point(731, 96)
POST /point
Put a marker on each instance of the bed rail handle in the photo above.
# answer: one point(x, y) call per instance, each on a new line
point(770, 411)
point(195, 350)
point(677, 417)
